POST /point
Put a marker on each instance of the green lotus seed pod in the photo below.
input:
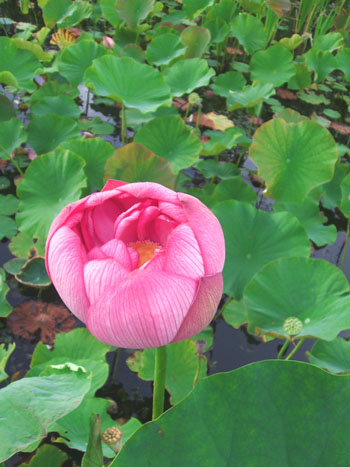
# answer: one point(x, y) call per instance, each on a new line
point(292, 326)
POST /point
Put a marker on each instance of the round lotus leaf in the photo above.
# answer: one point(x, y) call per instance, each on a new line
point(74, 60)
point(136, 163)
point(50, 183)
point(12, 135)
point(293, 158)
point(311, 290)
point(254, 238)
point(187, 75)
point(218, 28)
point(271, 413)
point(164, 48)
point(322, 62)
point(123, 79)
point(249, 31)
point(170, 138)
point(272, 66)
point(133, 11)
point(21, 64)
point(225, 83)
point(334, 356)
point(195, 39)
point(33, 273)
point(62, 105)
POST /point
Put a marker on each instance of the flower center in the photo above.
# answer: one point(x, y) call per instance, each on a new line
point(146, 250)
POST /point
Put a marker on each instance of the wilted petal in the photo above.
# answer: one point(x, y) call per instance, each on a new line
point(145, 311)
point(203, 309)
point(102, 276)
point(66, 256)
point(208, 232)
point(183, 255)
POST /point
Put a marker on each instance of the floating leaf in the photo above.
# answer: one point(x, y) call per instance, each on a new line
point(257, 239)
point(5, 307)
point(8, 205)
point(12, 135)
point(30, 405)
point(23, 246)
point(170, 138)
point(90, 354)
point(249, 31)
point(293, 158)
point(225, 83)
point(74, 60)
point(321, 307)
point(8, 227)
point(50, 183)
point(74, 427)
point(46, 132)
point(163, 49)
point(135, 163)
point(182, 367)
point(262, 394)
point(47, 454)
point(195, 39)
point(4, 356)
point(235, 314)
point(95, 152)
point(133, 11)
point(33, 273)
point(11, 56)
point(272, 66)
point(119, 78)
point(14, 266)
point(333, 356)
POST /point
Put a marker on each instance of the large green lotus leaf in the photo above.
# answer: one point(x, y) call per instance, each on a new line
point(329, 42)
point(30, 405)
point(293, 158)
point(301, 79)
point(95, 152)
point(345, 198)
point(7, 110)
point(136, 163)
point(164, 48)
point(77, 12)
point(74, 427)
point(4, 356)
point(46, 132)
point(50, 183)
point(309, 290)
point(74, 60)
point(182, 367)
point(51, 89)
point(249, 96)
point(170, 138)
point(218, 28)
point(343, 62)
point(110, 13)
point(5, 307)
point(235, 314)
point(195, 39)
point(187, 75)
point(133, 11)
point(321, 62)
point(249, 31)
point(12, 135)
point(90, 353)
point(12, 57)
point(333, 356)
point(225, 83)
point(62, 105)
point(312, 219)
point(288, 414)
point(254, 238)
point(224, 10)
point(46, 455)
point(125, 80)
point(272, 66)
point(194, 7)
point(53, 10)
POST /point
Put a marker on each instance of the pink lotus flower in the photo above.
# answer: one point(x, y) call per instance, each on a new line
point(138, 263)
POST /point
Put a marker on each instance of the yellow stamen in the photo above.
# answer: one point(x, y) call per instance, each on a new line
point(146, 250)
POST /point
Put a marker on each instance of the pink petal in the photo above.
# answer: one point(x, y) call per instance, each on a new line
point(104, 217)
point(95, 253)
point(117, 250)
point(203, 309)
point(134, 257)
point(208, 232)
point(113, 184)
point(183, 255)
point(126, 228)
point(150, 190)
point(66, 256)
point(174, 211)
point(144, 225)
point(162, 227)
point(145, 311)
point(102, 276)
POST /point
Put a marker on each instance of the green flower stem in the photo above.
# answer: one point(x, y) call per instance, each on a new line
point(159, 382)
point(198, 117)
point(296, 348)
point(283, 348)
point(116, 364)
point(346, 244)
point(123, 123)
point(196, 378)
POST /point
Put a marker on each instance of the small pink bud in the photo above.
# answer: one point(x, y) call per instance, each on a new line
point(108, 42)
point(32, 155)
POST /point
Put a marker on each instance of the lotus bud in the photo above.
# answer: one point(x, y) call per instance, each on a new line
point(113, 438)
point(194, 99)
point(108, 42)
